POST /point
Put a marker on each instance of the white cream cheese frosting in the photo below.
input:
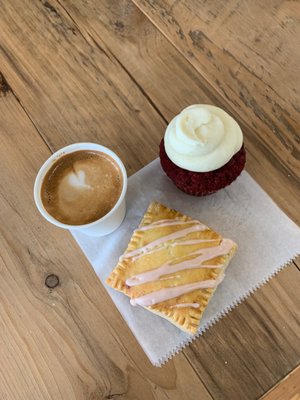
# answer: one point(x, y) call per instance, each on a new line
point(202, 138)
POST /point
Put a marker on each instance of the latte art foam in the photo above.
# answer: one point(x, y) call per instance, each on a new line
point(81, 187)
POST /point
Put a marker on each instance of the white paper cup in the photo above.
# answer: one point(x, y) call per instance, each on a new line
point(103, 226)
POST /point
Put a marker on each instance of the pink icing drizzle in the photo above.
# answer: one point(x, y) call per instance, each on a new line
point(194, 305)
point(169, 293)
point(181, 243)
point(167, 268)
point(166, 222)
point(193, 241)
point(172, 236)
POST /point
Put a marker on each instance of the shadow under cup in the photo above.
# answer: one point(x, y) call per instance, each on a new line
point(104, 225)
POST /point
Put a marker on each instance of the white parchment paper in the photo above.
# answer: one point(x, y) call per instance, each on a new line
point(266, 237)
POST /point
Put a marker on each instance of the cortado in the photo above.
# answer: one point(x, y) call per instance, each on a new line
point(81, 187)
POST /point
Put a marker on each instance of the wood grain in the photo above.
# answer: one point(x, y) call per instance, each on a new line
point(297, 262)
point(68, 342)
point(287, 389)
point(83, 82)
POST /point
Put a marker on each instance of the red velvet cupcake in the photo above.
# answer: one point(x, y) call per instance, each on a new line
point(202, 151)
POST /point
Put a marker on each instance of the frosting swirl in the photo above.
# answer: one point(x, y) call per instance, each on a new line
point(202, 138)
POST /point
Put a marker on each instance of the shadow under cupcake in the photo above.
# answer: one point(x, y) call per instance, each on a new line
point(202, 151)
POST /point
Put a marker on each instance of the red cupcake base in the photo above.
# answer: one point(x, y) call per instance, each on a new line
point(203, 183)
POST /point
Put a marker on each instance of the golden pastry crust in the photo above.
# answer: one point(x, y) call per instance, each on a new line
point(185, 244)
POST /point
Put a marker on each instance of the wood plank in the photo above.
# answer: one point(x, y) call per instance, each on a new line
point(68, 75)
point(250, 54)
point(287, 389)
point(68, 342)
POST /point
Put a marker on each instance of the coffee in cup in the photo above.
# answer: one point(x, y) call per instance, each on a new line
point(81, 187)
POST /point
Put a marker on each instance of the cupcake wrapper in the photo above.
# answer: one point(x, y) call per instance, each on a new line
point(203, 183)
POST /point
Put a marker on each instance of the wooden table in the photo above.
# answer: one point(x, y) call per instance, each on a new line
point(115, 72)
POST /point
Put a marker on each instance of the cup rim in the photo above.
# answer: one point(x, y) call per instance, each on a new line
point(53, 158)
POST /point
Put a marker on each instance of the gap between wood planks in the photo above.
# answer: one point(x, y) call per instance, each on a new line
point(117, 60)
point(5, 88)
point(286, 389)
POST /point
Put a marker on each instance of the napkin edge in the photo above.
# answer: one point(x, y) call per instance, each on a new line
point(163, 360)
